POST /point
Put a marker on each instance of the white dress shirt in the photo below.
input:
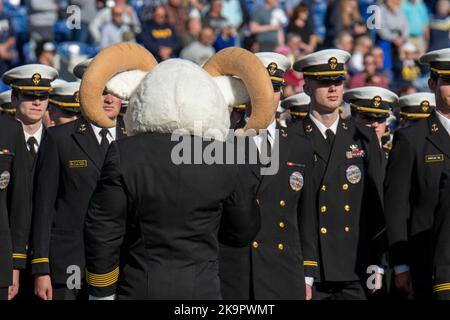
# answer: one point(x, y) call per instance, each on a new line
point(37, 135)
point(444, 120)
point(271, 130)
point(322, 127)
point(111, 133)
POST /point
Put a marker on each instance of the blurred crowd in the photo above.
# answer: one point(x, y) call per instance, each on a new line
point(385, 43)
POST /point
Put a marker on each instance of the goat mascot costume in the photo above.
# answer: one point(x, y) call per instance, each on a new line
point(153, 226)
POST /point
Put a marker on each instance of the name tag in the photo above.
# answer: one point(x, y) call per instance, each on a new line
point(77, 163)
point(434, 158)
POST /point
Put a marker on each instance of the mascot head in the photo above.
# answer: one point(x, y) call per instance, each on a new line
point(177, 94)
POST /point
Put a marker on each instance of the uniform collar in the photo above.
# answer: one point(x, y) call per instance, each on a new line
point(111, 131)
point(444, 121)
point(37, 135)
point(322, 128)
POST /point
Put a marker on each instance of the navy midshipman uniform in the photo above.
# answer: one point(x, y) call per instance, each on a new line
point(5, 103)
point(347, 171)
point(441, 242)
point(415, 106)
point(420, 153)
point(67, 170)
point(34, 81)
point(371, 106)
point(298, 106)
point(284, 250)
point(64, 102)
point(14, 202)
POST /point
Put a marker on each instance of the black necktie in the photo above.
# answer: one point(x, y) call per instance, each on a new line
point(31, 142)
point(104, 143)
point(330, 136)
point(268, 145)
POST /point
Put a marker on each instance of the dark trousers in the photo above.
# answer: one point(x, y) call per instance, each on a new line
point(61, 292)
point(345, 290)
point(4, 293)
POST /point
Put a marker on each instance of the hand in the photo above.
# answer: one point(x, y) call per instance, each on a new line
point(308, 289)
point(403, 282)
point(165, 52)
point(398, 42)
point(13, 290)
point(43, 287)
point(378, 283)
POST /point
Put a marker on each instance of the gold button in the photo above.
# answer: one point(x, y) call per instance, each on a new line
point(347, 229)
point(257, 201)
point(280, 246)
point(323, 209)
point(344, 186)
point(255, 244)
point(324, 188)
point(323, 230)
point(281, 224)
point(282, 203)
point(347, 208)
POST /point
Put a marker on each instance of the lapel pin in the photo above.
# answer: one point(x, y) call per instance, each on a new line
point(308, 128)
point(344, 126)
point(82, 128)
point(434, 127)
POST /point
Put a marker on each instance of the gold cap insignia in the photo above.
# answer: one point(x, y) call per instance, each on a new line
point(272, 68)
point(377, 101)
point(425, 105)
point(36, 78)
point(332, 62)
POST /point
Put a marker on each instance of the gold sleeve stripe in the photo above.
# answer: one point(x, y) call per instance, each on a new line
point(19, 256)
point(40, 260)
point(310, 263)
point(102, 280)
point(379, 234)
point(442, 287)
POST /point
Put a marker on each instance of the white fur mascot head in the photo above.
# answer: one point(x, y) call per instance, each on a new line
point(177, 94)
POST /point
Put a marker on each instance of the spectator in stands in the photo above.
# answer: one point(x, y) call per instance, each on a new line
point(177, 15)
point(46, 54)
point(409, 69)
point(213, 17)
point(193, 28)
point(7, 40)
point(344, 41)
point(292, 48)
point(301, 25)
point(105, 15)
point(87, 14)
point(200, 51)
point(440, 26)
point(363, 45)
point(232, 12)
point(42, 15)
point(261, 26)
point(416, 14)
point(393, 31)
point(343, 15)
point(227, 38)
point(116, 30)
point(370, 75)
point(159, 37)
